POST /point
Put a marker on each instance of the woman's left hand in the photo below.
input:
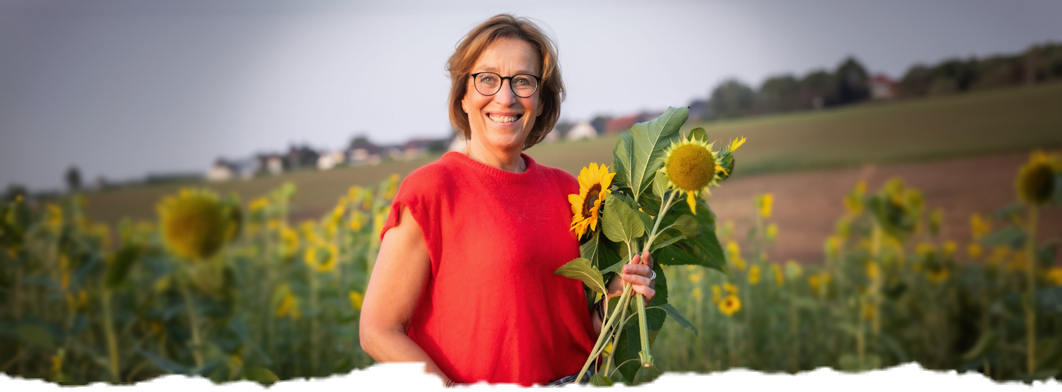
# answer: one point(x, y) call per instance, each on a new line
point(638, 272)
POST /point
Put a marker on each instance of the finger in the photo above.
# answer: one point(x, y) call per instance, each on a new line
point(645, 291)
point(637, 259)
point(638, 269)
point(648, 259)
point(636, 280)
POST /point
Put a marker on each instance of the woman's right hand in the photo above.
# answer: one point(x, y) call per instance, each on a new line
point(398, 278)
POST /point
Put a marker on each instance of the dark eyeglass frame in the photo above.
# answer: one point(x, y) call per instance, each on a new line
point(538, 81)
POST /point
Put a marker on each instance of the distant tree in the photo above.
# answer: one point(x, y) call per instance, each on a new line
point(952, 76)
point(778, 94)
point(73, 179)
point(359, 141)
point(998, 71)
point(437, 146)
point(731, 99)
point(915, 83)
point(817, 89)
point(1043, 63)
point(599, 122)
point(14, 191)
point(853, 82)
point(699, 110)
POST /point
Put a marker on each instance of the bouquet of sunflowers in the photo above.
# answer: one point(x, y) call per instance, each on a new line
point(640, 207)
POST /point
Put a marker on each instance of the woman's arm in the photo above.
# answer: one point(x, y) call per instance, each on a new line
point(398, 278)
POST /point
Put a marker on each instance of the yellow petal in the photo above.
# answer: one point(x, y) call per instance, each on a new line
point(692, 201)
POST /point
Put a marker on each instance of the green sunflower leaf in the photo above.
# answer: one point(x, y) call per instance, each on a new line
point(620, 223)
point(674, 313)
point(703, 250)
point(638, 152)
point(600, 380)
point(699, 133)
point(659, 185)
point(580, 269)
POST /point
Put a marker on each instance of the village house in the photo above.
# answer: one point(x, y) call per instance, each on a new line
point(882, 87)
point(582, 130)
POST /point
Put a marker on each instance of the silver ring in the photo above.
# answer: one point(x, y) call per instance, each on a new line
point(654, 275)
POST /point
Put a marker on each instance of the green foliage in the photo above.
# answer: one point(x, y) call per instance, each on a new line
point(638, 152)
point(581, 270)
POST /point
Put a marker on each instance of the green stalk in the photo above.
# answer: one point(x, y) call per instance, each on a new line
point(108, 330)
point(193, 321)
point(1030, 307)
point(643, 328)
point(599, 346)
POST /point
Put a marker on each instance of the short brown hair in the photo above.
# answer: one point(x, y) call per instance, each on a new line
point(551, 90)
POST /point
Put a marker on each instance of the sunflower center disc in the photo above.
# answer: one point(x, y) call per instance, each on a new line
point(690, 167)
point(591, 196)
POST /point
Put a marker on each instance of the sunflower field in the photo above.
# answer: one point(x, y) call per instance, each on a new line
point(232, 289)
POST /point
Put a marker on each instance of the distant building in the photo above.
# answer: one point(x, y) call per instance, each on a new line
point(457, 142)
point(618, 125)
point(221, 171)
point(882, 87)
point(582, 130)
point(330, 160)
point(364, 152)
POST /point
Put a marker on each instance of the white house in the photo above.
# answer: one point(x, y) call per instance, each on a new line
point(582, 130)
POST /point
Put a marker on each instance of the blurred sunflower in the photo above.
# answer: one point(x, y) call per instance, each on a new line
point(289, 242)
point(1054, 275)
point(763, 204)
point(729, 288)
point(730, 305)
point(1036, 179)
point(690, 166)
point(313, 259)
point(754, 275)
point(258, 205)
point(872, 270)
point(594, 183)
point(853, 201)
point(194, 224)
point(819, 282)
point(974, 250)
point(695, 277)
point(772, 232)
point(937, 275)
point(356, 299)
point(288, 305)
point(734, 255)
point(696, 293)
point(717, 294)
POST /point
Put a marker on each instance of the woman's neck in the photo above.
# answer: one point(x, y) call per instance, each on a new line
point(509, 161)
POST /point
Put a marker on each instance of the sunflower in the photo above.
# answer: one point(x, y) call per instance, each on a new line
point(754, 275)
point(313, 261)
point(194, 223)
point(690, 166)
point(730, 305)
point(1036, 179)
point(1054, 275)
point(594, 183)
point(763, 203)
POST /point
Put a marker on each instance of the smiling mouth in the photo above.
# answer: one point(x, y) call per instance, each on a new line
point(504, 119)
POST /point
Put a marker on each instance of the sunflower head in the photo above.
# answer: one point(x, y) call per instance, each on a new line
point(594, 183)
point(730, 305)
point(1036, 179)
point(194, 223)
point(690, 166)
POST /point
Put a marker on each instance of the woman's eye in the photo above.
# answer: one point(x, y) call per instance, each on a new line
point(488, 79)
point(522, 82)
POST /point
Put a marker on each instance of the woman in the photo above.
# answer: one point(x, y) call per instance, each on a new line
point(464, 280)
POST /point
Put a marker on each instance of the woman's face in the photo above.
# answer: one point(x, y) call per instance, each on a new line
point(503, 120)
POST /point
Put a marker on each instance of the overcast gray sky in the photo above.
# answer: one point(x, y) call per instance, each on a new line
point(123, 88)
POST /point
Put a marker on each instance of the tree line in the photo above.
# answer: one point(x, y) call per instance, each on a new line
point(850, 83)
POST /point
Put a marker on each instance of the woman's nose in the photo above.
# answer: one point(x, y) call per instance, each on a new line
point(505, 95)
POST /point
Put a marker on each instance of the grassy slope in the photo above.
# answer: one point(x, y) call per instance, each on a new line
point(968, 124)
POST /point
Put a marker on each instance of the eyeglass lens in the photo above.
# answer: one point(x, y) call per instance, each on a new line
point(489, 83)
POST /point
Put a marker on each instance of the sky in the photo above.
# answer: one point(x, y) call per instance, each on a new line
point(124, 88)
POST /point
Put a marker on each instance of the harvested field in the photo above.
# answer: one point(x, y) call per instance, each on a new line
point(807, 204)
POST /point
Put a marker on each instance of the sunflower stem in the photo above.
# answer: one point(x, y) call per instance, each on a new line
point(599, 346)
point(193, 323)
point(1030, 307)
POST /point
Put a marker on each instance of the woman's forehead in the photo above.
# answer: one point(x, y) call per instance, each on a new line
point(508, 55)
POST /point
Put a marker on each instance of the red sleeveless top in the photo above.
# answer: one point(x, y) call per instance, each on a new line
point(492, 308)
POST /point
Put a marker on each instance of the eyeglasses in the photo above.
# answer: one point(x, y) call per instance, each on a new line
point(489, 83)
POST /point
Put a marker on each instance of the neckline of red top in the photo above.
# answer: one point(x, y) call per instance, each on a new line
point(500, 174)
